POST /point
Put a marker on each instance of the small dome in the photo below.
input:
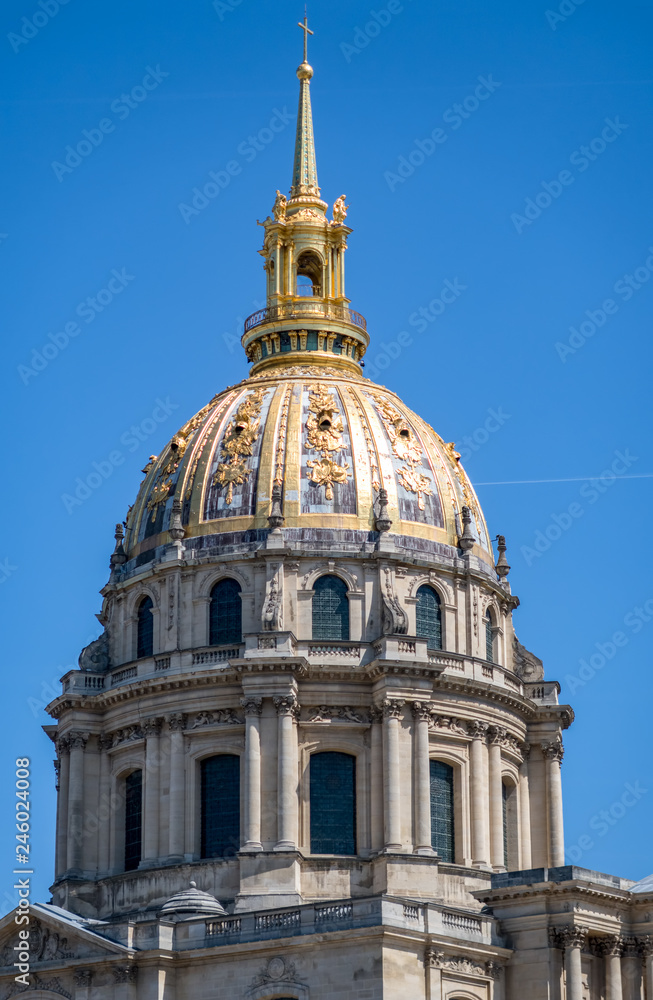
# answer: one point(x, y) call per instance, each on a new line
point(192, 902)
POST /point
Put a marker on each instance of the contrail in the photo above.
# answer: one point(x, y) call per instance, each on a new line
point(575, 479)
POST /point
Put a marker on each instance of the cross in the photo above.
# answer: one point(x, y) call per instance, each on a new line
point(307, 31)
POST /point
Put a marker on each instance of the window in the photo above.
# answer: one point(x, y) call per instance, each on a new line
point(330, 609)
point(220, 826)
point(133, 818)
point(489, 637)
point(309, 273)
point(429, 617)
point(145, 629)
point(333, 803)
point(225, 614)
point(442, 821)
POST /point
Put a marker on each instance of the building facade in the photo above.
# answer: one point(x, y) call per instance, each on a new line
point(308, 757)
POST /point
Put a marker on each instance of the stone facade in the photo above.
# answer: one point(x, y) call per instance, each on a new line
point(306, 469)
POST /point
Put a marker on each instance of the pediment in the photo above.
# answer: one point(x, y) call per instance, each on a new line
point(56, 936)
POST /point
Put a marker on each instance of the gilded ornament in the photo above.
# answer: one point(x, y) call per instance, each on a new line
point(325, 429)
point(238, 444)
point(340, 209)
point(279, 207)
point(407, 449)
point(159, 495)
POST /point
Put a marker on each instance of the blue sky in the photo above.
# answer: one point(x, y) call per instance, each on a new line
point(532, 198)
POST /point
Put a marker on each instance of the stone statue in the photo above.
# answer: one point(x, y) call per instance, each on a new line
point(279, 207)
point(95, 656)
point(340, 209)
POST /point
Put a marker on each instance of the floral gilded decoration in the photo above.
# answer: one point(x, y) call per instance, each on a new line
point(325, 430)
point(238, 444)
point(407, 449)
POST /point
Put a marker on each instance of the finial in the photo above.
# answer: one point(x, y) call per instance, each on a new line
point(176, 529)
point(276, 519)
point(382, 522)
point(467, 539)
point(304, 177)
point(502, 566)
point(118, 556)
point(305, 75)
point(193, 885)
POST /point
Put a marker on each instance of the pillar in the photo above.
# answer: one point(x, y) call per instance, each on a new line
point(422, 772)
point(252, 832)
point(83, 980)
point(631, 969)
point(177, 798)
point(497, 735)
point(573, 940)
point(75, 832)
point(287, 810)
point(63, 752)
point(433, 972)
point(610, 948)
point(525, 859)
point(392, 712)
point(479, 793)
point(151, 793)
point(647, 954)
point(105, 742)
point(376, 780)
point(125, 979)
point(553, 753)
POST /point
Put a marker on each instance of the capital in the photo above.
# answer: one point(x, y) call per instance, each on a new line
point(177, 722)
point(525, 750)
point(63, 745)
point(611, 945)
point(105, 742)
point(287, 705)
point(78, 740)
point(573, 937)
point(477, 729)
point(433, 959)
point(151, 727)
point(125, 974)
point(83, 977)
point(421, 711)
point(252, 706)
point(392, 708)
point(553, 750)
point(497, 735)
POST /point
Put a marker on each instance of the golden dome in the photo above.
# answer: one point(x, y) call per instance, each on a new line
point(328, 440)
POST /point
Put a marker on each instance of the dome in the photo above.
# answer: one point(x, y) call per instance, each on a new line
point(192, 902)
point(322, 439)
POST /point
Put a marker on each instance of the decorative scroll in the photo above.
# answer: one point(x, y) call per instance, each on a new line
point(238, 444)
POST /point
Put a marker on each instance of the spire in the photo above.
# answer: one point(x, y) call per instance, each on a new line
point(304, 176)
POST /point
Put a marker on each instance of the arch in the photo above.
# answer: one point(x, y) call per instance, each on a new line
point(442, 810)
point(428, 616)
point(133, 827)
point(350, 579)
point(309, 273)
point(219, 805)
point(145, 628)
point(225, 613)
point(333, 802)
point(330, 608)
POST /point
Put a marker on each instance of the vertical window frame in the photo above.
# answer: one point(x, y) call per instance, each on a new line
point(443, 829)
point(221, 631)
point(330, 610)
point(145, 628)
point(228, 839)
point(133, 821)
point(428, 624)
point(320, 840)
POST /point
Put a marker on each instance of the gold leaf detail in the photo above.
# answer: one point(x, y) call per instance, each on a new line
point(406, 447)
point(158, 496)
point(238, 443)
point(327, 472)
point(325, 429)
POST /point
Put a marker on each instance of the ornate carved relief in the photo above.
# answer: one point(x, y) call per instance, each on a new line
point(95, 656)
point(406, 447)
point(272, 613)
point(222, 716)
point(252, 706)
point(344, 713)
point(238, 444)
point(286, 705)
point(325, 430)
point(435, 959)
point(395, 621)
point(553, 750)
point(177, 722)
point(125, 974)
point(392, 708)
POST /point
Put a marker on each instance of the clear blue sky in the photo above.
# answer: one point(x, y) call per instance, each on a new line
point(461, 215)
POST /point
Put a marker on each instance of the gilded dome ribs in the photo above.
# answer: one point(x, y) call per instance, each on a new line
point(238, 444)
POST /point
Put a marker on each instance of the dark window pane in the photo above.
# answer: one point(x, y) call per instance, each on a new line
point(429, 617)
point(330, 609)
point(145, 631)
point(220, 806)
point(333, 803)
point(226, 613)
point(488, 640)
point(133, 819)
point(442, 832)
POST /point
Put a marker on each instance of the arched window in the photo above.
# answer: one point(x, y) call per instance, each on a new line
point(309, 273)
point(145, 629)
point(220, 793)
point(133, 818)
point(333, 803)
point(442, 820)
point(429, 617)
point(330, 608)
point(225, 613)
point(489, 637)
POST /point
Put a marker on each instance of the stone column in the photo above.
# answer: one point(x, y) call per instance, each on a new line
point(553, 753)
point(392, 712)
point(105, 742)
point(573, 939)
point(631, 968)
point(610, 948)
point(376, 780)
point(497, 735)
point(646, 945)
point(422, 790)
point(525, 858)
point(433, 971)
point(177, 820)
point(252, 831)
point(125, 978)
point(83, 980)
point(63, 752)
point(287, 804)
point(151, 793)
point(75, 833)
point(478, 792)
